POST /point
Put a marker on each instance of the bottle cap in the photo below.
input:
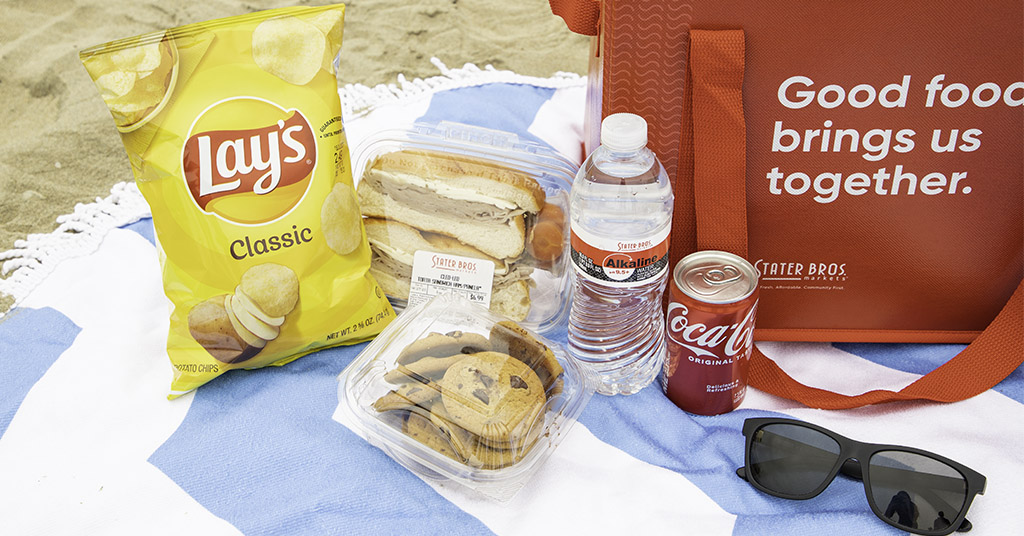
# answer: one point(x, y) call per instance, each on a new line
point(624, 132)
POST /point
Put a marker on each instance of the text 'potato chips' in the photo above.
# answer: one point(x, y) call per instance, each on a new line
point(233, 130)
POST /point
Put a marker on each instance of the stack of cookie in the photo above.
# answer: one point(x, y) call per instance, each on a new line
point(478, 400)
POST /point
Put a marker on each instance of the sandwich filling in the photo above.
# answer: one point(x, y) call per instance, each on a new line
point(438, 198)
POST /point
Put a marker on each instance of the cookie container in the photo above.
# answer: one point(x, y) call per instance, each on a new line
point(464, 190)
point(439, 391)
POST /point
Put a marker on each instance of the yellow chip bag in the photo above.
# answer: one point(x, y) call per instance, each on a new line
point(233, 130)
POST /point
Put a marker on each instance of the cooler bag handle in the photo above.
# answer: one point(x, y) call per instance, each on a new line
point(719, 165)
point(581, 16)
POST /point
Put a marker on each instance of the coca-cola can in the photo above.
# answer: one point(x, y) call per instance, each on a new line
point(710, 331)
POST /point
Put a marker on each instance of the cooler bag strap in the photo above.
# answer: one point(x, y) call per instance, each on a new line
point(719, 141)
point(581, 16)
point(985, 362)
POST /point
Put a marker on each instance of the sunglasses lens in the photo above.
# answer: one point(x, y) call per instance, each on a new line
point(916, 491)
point(790, 459)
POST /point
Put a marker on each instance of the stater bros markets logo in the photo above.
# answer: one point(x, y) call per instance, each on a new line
point(446, 262)
point(800, 271)
point(248, 160)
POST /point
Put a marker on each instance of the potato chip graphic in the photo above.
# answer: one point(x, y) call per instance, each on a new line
point(288, 48)
point(126, 58)
point(249, 337)
point(271, 287)
point(210, 326)
point(138, 58)
point(145, 95)
point(152, 57)
point(98, 64)
point(341, 220)
point(128, 108)
point(330, 23)
point(135, 79)
point(115, 84)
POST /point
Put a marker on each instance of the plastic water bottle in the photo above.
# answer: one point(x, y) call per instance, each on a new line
point(620, 216)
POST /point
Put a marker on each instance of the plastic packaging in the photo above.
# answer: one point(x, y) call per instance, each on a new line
point(621, 216)
point(473, 192)
point(454, 392)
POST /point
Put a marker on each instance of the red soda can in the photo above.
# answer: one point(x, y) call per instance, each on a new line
point(710, 328)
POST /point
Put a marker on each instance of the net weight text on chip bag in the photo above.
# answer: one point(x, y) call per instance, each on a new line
point(233, 130)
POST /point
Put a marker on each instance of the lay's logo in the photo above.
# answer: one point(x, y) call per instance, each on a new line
point(248, 160)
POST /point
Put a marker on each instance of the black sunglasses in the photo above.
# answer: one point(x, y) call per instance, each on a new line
point(910, 489)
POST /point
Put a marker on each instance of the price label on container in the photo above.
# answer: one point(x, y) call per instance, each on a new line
point(437, 273)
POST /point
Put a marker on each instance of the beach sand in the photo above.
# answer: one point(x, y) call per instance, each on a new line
point(59, 146)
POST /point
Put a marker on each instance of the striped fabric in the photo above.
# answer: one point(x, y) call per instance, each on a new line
point(90, 445)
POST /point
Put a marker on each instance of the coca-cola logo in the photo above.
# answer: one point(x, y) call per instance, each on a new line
point(248, 160)
point(700, 338)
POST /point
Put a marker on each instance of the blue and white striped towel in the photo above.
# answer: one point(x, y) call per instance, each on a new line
point(90, 445)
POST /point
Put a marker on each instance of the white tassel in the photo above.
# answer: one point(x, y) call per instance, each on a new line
point(79, 233)
point(358, 100)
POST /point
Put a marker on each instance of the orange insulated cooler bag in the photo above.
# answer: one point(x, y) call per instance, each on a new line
point(865, 156)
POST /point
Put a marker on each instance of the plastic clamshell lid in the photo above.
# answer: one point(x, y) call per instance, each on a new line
point(545, 257)
point(477, 415)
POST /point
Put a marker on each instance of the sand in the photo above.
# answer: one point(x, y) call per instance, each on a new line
point(59, 146)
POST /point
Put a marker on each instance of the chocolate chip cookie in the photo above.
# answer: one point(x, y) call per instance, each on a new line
point(444, 345)
point(512, 339)
point(493, 395)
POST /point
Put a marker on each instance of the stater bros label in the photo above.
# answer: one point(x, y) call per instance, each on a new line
point(434, 274)
point(619, 263)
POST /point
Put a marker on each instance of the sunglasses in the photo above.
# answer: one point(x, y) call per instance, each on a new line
point(910, 489)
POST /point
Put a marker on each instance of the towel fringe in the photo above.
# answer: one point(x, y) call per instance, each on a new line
point(358, 100)
point(79, 233)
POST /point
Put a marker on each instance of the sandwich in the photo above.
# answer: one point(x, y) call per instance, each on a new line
point(482, 205)
point(446, 203)
point(394, 245)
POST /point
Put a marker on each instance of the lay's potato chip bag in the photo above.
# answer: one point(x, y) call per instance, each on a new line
point(234, 134)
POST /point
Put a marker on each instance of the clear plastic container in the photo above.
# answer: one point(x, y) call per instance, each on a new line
point(439, 392)
point(530, 283)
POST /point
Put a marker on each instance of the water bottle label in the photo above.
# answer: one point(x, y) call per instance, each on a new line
point(619, 263)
